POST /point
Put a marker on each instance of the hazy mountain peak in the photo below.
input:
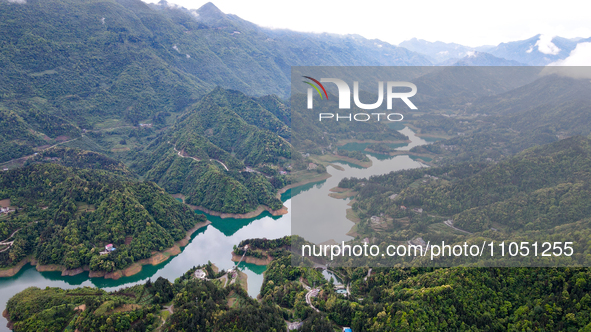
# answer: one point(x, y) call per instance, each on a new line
point(209, 14)
point(538, 50)
point(438, 51)
point(210, 8)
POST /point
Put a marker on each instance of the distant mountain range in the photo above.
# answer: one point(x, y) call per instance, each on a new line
point(539, 50)
point(475, 58)
point(439, 52)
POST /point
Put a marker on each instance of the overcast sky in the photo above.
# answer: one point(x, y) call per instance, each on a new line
point(471, 23)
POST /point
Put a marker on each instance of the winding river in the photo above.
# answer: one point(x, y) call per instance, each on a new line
point(215, 242)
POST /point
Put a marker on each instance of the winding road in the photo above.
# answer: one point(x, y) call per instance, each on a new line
point(8, 244)
point(450, 223)
point(312, 293)
point(183, 156)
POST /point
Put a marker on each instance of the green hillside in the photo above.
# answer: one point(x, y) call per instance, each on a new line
point(205, 154)
point(70, 66)
point(66, 216)
point(542, 191)
point(388, 299)
point(77, 158)
point(463, 299)
point(550, 108)
point(194, 305)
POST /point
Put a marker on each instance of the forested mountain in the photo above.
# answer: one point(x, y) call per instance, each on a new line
point(66, 216)
point(77, 158)
point(551, 107)
point(462, 299)
point(196, 305)
point(193, 102)
point(540, 188)
point(388, 299)
point(456, 87)
point(205, 154)
point(71, 65)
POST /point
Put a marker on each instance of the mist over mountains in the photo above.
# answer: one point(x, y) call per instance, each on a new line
point(539, 50)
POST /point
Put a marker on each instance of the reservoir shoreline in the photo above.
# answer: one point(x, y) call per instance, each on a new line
point(156, 258)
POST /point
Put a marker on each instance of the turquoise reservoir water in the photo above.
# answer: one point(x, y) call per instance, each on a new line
point(215, 242)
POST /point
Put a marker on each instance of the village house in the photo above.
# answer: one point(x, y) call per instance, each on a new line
point(108, 248)
point(294, 325)
point(200, 274)
point(312, 166)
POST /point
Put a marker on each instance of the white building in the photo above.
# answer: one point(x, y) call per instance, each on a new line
point(200, 274)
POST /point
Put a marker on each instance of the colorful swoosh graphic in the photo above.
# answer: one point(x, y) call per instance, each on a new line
point(315, 87)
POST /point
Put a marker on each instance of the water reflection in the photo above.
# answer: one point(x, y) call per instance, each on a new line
point(319, 218)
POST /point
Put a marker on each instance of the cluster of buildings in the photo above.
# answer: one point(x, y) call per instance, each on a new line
point(448, 147)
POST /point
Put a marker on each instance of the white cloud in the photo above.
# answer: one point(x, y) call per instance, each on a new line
point(577, 65)
point(580, 56)
point(18, 1)
point(470, 54)
point(531, 48)
point(546, 46)
point(462, 23)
